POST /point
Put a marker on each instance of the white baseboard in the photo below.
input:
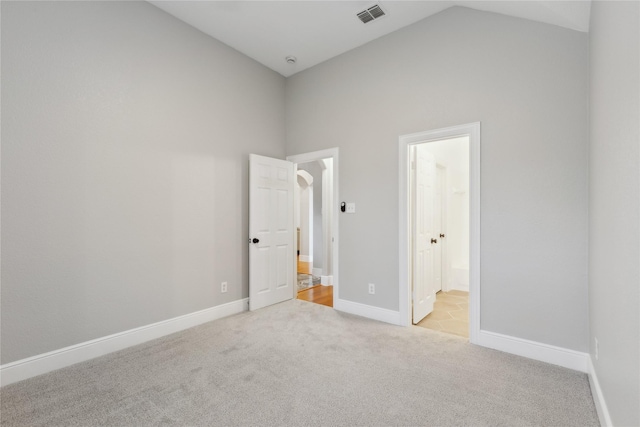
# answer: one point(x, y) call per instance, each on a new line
point(598, 397)
point(47, 362)
point(369, 311)
point(326, 280)
point(305, 258)
point(566, 358)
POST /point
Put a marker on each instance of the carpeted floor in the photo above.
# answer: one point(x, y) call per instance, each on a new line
point(303, 364)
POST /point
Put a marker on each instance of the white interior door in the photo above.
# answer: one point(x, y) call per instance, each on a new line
point(424, 293)
point(438, 248)
point(271, 236)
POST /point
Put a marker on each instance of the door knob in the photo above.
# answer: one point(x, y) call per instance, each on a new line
point(254, 240)
point(434, 241)
point(441, 236)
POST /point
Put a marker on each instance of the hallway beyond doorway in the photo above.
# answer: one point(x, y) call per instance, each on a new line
point(305, 278)
point(309, 287)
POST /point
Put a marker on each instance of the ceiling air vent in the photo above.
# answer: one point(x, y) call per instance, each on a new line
point(368, 15)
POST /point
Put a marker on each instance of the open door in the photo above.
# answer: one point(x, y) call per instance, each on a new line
point(423, 208)
point(271, 237)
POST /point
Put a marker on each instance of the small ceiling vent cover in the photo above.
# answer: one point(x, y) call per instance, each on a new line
point(368, 15)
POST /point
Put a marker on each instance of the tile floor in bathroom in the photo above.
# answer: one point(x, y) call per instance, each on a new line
point(450, 314)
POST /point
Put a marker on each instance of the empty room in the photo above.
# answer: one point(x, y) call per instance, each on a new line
point(167, 166)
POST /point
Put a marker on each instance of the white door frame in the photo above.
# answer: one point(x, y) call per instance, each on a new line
point(329, 153)
point(405, 142)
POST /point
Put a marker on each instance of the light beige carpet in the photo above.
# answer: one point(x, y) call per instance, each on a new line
point(298, 363)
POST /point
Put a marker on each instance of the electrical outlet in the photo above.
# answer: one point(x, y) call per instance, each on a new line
point(597, 349)
point(223, 287)
point(372, 288)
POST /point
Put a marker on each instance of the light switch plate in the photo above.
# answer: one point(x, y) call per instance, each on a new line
point(351, 208)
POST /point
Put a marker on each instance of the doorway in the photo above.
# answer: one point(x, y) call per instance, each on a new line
point(307, 216)
point(418, 236)
point(316, 225)
point(439, 205)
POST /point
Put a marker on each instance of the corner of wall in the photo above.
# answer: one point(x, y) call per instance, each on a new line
point(598, 396)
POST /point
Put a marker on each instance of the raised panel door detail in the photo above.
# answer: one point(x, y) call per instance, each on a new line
point(271, 275)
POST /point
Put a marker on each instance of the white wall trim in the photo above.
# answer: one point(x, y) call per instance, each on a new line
point(57, 359)
point(598, 397)
point(306, 258)
point(368, 311)
point(566, 358)
point(405, 142)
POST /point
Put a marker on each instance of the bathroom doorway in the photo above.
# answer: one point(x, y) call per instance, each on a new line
point(440, 234)
point(429, 168)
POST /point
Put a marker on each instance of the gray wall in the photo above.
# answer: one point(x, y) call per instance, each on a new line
point(614, 206)
point(528, 84)
point(124, 169)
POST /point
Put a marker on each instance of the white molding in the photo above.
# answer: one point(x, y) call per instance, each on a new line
point(598, 397)
point(308, 178)
point(405, 142)
point(474, 232)
point(326, 280)
point(314, 155)
point(305, 258)
point(57, 359)
point(368, 311)
point(566, 358)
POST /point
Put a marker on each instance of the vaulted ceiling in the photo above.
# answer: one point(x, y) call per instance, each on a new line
point(314, 31)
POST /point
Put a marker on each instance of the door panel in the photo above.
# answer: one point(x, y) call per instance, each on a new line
point(271, 223)
point(423, 233)
point(438, 229)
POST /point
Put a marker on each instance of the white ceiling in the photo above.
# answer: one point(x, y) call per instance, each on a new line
point(314, 31)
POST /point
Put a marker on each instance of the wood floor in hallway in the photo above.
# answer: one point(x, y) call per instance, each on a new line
point(318, 294)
